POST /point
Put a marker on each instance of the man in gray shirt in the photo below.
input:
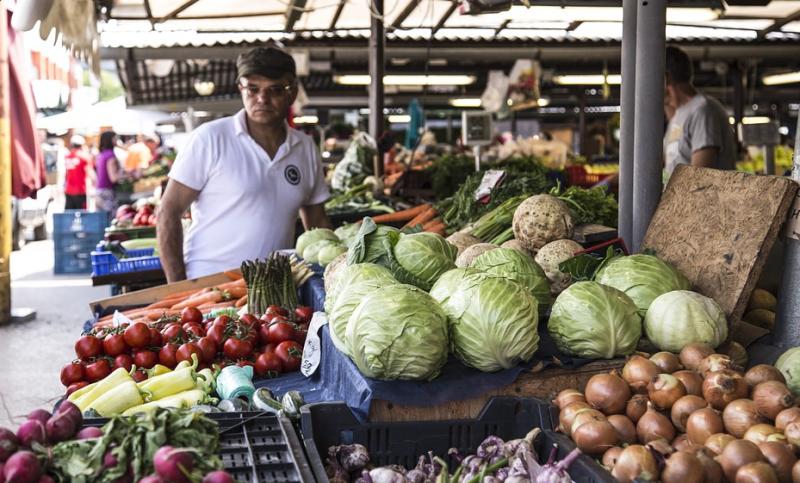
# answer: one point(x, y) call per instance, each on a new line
point(699, 133)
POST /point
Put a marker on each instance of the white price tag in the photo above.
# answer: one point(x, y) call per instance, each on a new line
point(120, 318)
point(312, 350)
point(490, 180)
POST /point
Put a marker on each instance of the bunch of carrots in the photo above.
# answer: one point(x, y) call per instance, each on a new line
point(423, 215)
point(225, 295)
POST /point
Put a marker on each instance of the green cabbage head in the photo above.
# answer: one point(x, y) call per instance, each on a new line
point(369, 244)
point(789, 365)
point(642, 278)
point(519, 267)
point(398, 332)
point(421, 258)
point(355, 283)
point(312, 252)
point(347, 233)
point(594, 321)
point(310, 237)
point(681, 317)
point(493, 320)
point(329, 252)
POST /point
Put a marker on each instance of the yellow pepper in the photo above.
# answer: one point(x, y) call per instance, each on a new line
point(158, 370)
point(118, 399)
point(208, 381)
point(116, 378)
point(168, 384)
point(185, 399)
point(80, 392)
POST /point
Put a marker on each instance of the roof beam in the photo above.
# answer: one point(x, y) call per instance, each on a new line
point(573, 25)
point(410, 6)
point(445, 17)
point(779, 24)
point(178, 10)
point(149, 12)
point(502, 26)
point(293, 13)
point(338, 14)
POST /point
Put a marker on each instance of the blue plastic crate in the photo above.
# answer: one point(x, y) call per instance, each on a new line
point(104, 263)
point(72, 221)
point(76, 262)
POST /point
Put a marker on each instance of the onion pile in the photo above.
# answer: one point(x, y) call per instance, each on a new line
point(687, 418)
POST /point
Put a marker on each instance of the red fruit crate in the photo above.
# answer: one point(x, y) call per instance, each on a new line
point(577, 176)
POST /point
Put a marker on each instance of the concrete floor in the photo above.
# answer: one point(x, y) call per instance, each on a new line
point(32, 353)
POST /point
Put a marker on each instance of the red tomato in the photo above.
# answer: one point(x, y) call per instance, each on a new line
point(268, 364)
point(172, 331)
point(303, 313)
point(88, 346)
point(278, 332)
point(185, 351)
point(250, 320)
point(222, 320)
point(166, 356)
point(277, 310)
point(137, 335)
point(139, 375)
point(97, 370)
point(71, 373)
point(155, 338)
point(75, 386)
point(209, 349)
point(191, 314)
point(251, 335)
point(267, 318)
point(291, 354)
point(217, 334)
point(299, 335)
point(123, 360)
point(145, 358)
point(236, 348)
point(244, 362)
point(152, 220)
point(194, 329)
point(115, 345)
point(269, 348)
point(208, 324)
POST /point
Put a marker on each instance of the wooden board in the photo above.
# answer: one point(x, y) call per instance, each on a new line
point(543, 385)
point(717, 228)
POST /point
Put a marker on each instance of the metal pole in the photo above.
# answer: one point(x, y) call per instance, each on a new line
point(787, 316)
point(581, 125)
point(769, 159)
point(738, 99)
point(5, 173)
point(377, 42)
point(649, 122)
point(627, 111)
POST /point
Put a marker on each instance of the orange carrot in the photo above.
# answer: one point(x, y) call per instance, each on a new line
point(185, 293)
point(404, 215)
point(166, 303)
point(230, 285)
point(438, 227)
point(214, 296)
point(431, 223)
point(237, 292)
point(422, 218)
point(241, 302)
point(233, 275)
point(207, 307)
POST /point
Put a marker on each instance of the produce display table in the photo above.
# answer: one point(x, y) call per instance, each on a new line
point(150, 278)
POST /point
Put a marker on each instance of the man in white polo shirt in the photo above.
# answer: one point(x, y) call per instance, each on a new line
point(246, 177)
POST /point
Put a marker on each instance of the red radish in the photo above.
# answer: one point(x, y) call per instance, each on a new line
point(89, 432)
point(22, 467)
point(60, 428)
point(72, 411)
point(30, 431)
point(218, 477)
point(109, 460)
point(151, 479)
point(40, 414)
point(8, 444)
point(172, 463)
point(46, 479)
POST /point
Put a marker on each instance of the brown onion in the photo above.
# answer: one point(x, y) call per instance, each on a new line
point(722, 387)
point(736, 352)
point(792, 433)
point(692, 381)
point(785, 417)
point(567, 397)
point(712, 469)
point(637, 406)
point(667, 362)
point(610, 457)
point(739, 416)
point(796, 472)
point(781, 457)
point(737, 454)
point(661, 446)
point(607, 393)
point(702, 424)
point(716, 363)
point(692, 354)
point(683, 407)
point(772, 397)
point(717, 442)
point(683, 468)
point(595, 437)
point(763, 373)
point(567, 415)
point(759, 433)
point(664, 390)
point(681, 442)
point(625, 428)
point(586, 416)
point(654, 425)
point(756, 473)
point(638, 372)
point(635, 462)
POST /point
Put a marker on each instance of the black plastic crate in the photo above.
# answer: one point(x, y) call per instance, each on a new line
point(263, 449)
point(329, 424)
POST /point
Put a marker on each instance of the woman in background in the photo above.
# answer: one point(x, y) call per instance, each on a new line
point(109, 172)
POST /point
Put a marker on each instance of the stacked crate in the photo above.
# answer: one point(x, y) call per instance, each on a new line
point(75, 235)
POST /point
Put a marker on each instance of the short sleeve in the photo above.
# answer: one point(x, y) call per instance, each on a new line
point(319, 191)
point(194, 162)
point(705, 129)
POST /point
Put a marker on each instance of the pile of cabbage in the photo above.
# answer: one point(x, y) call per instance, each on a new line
point(323, 246)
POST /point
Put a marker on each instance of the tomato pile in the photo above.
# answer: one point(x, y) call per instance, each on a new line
point(271, 344)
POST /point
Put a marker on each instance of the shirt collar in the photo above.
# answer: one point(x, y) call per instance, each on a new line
point(240, 127)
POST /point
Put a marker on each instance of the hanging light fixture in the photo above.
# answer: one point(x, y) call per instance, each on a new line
point(204, 88)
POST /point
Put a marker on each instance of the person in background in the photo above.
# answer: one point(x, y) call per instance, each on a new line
point(109, 172)
point(245, 176)
point(140, 154)
point(78, 173)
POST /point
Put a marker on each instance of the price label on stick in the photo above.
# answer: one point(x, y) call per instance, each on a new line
point(312, 350)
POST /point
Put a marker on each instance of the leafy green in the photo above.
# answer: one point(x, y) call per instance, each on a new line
point(421, 258)
point(592, 205)
point(448, 173)
point(368, 246)
point(583, 267)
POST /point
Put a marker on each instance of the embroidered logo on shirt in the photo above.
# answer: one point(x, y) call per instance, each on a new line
point(292, 174)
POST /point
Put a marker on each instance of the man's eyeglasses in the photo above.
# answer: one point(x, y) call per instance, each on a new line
point(253, 90)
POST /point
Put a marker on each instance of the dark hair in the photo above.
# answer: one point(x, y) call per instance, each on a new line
point(270, 62)
point(678, 68)
point(107, 140)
